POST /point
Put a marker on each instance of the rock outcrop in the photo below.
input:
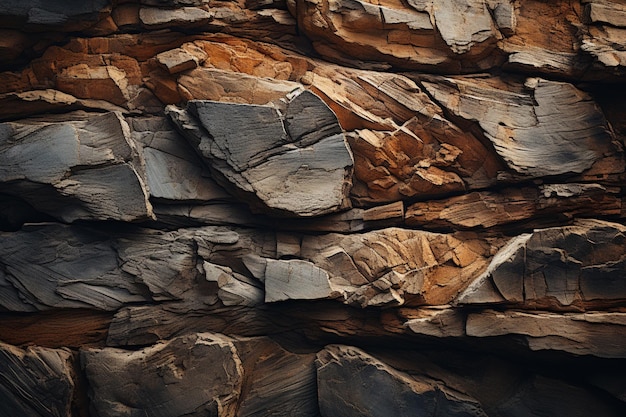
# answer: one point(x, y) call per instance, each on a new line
point(312, 208)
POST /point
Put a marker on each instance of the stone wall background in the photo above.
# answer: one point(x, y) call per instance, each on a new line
point(312, 208)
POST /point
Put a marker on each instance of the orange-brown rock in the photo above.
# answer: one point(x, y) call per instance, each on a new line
point(240, 208)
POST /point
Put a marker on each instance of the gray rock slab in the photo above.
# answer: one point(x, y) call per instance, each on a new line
point(195, 375)
point(292, 160)
point(548, 128)
point(75, 170)
point(580, 265)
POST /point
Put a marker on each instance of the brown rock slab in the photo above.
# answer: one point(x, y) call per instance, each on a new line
point(596, 333)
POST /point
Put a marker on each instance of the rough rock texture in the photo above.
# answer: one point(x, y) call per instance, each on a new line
point(36, 381)
point(312, 208)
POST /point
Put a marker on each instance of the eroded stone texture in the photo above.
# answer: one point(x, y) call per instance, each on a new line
point(577, 266)
point(276, 381)
point(598, 333)
point(548, 128)
point(433, 35)
point(52, 266)
point(546, 203)
point(82, 169)
point(36, 381)
point(291, 163)
point(394, 266)
point(353, 383)
point(195, 375)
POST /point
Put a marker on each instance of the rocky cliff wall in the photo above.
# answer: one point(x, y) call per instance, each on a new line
point(312, 208)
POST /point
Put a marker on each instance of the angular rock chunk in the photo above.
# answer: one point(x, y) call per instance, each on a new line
point(550, 128)
point(106, 82)
point(173, 170)
point(184, 16)
point(294, 162)
point(394, 266)
point(35, 381)
point(177, 60)
point(88, 170)
point(578, 266)
point(295, 279)
point(353, 383)
point(463, 24)
point(598, 334)
point(195, 375)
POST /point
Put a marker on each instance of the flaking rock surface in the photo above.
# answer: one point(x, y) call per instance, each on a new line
point(312, 208)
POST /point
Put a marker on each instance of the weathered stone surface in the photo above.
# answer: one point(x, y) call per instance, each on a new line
point(407, 37)
point(36, 102)
point(105, 83)
point(219, 85)
point(36, 381)
point(577, 266)
point(353, 383)
point(392, 267)
point(173, 170)
point(199, 374)
point(597, 333)
point(292, 164)
point(52, 266)
point(404, 146)
point(439, 322)
point(81, 169)
point(185, 16)
point(456, 228)
point(177, 60)
point(546, 203)
point(526, 131)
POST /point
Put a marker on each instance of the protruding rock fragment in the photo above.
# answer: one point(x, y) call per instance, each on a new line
point(296, 280)
point(54, 266)
point(550, 128)
point(36, 381)
point(291, 164)
point(152, 17)
point(194, 375)
point(578, 266)
point(597, 334)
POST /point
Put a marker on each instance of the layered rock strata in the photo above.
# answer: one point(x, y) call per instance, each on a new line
point(312, 208)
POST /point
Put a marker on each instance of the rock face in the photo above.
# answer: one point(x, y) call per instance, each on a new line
point(312, 208)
